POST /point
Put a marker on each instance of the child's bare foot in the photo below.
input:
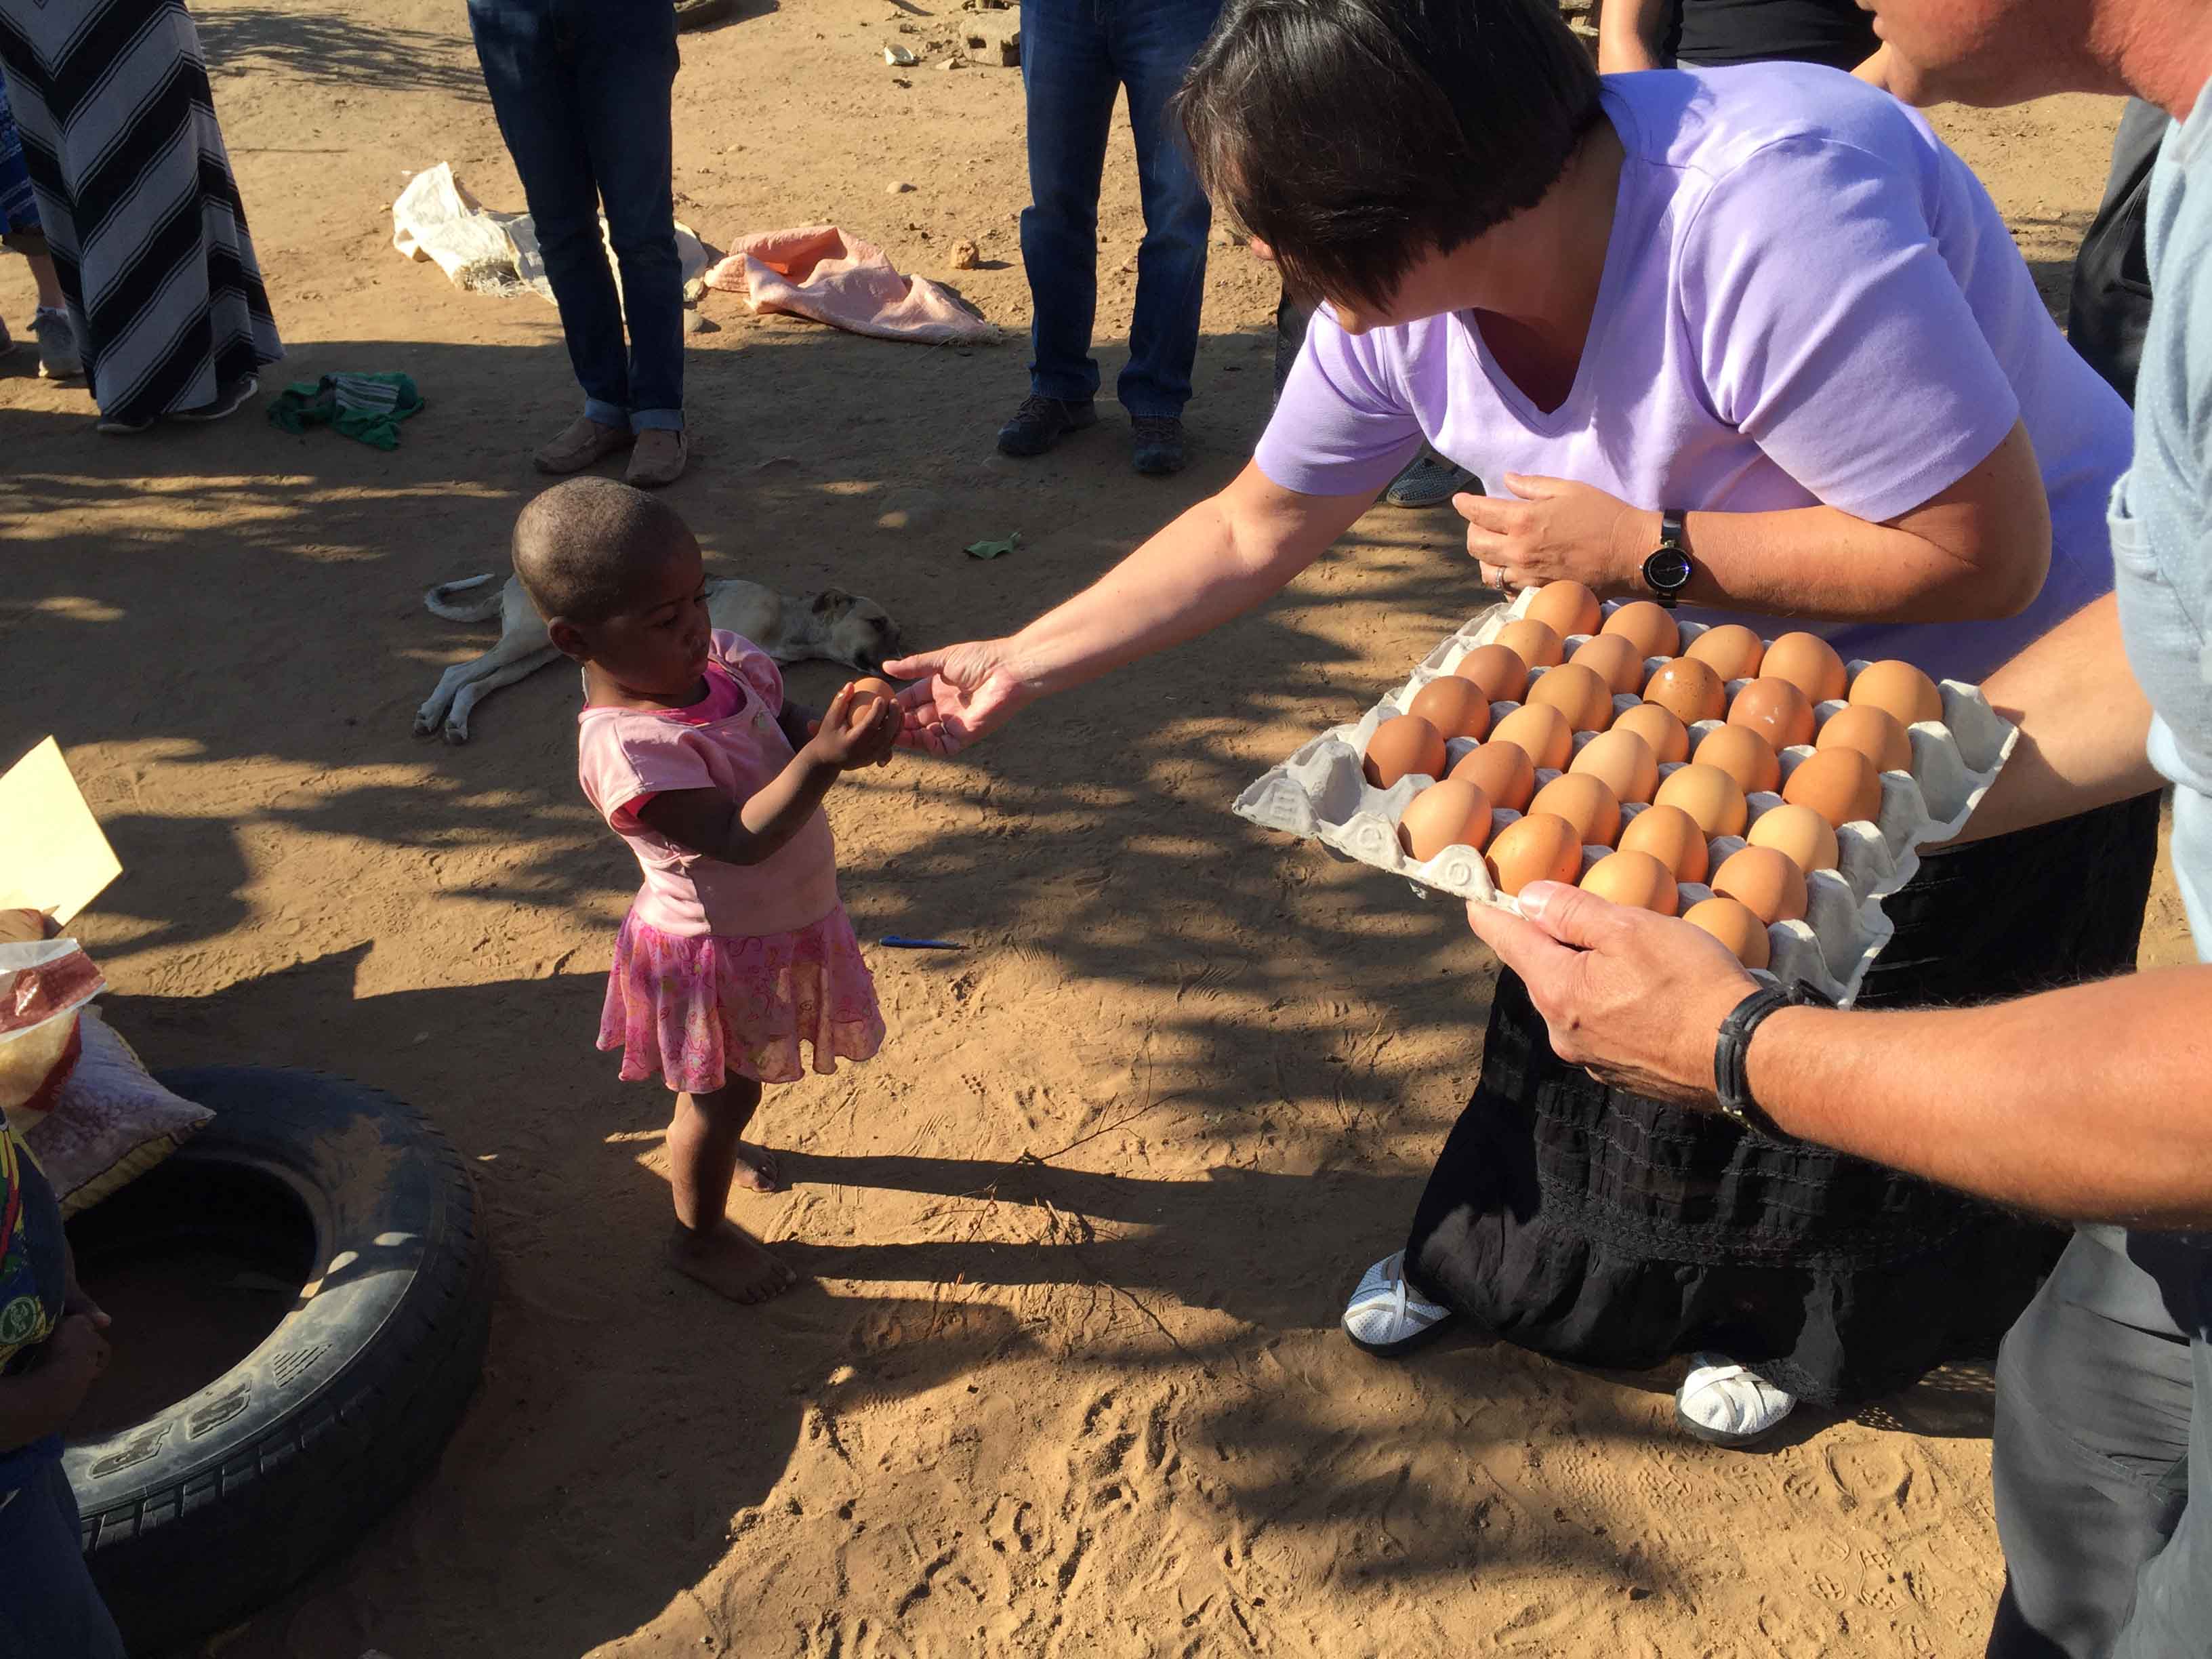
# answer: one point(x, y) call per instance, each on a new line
point(756, 1170)
point(730, 1262)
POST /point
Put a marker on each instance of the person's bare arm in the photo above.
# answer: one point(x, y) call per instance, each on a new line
point(1632, 35)
point(1977, 551)
point(1876, 70)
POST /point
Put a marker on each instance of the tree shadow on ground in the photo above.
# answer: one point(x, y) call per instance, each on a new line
point(335, 47)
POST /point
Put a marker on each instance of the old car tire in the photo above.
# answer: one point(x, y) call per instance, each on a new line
point(216, 1504)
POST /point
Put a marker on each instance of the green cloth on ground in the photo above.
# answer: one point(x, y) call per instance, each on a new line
point(369, 407)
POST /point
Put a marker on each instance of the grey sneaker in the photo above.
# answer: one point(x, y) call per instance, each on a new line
point(1429, 480)
point(1158, 448)
point(58, 358)
point(1040, 422)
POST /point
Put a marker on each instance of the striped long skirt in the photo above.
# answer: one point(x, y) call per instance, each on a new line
point(134, 194)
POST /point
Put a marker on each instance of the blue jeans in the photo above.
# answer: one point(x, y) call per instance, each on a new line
point(581, 90)
point(1075, 53)
point(47, 1601)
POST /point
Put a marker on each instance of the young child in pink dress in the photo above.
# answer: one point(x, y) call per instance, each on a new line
point(737, 947)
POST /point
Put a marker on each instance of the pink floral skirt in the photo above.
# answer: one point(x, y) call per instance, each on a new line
point(701, 1008)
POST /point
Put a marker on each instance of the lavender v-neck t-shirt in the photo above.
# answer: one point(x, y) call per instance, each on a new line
point(1807, 299)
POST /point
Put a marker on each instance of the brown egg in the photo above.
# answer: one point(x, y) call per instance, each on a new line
point(1579, 693)
point(1799, 834)
point(1584, 802)
point(1566, 608)
point(1726, 921)
point(1503, 771)
point(1708, 795)
point(1744, 756)
point(1672, 836)
point(1539, 848)
point(1732, 651)
point(1688, 690)
point(1767, 883)
point(1668, 738)
point(1615, 661)
point(1401, 747)
point(1622, 762)
point(869, 686)
point(1502, 676)
point(1873, 731)
point(1648, 627)
point(1774, 709)
point(1901, 689)
point(1634, 878)
point(1839, 784)
point(1542, 734)
point(1537, 644)
point(1454, 707)
point(1808, 662)
point(1453, 814)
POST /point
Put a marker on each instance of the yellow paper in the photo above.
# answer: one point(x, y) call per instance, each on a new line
point(52, 855)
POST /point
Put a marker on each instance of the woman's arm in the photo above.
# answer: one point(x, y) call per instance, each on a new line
point(1219, 560)
point(1632, 35)
point(1979, 549)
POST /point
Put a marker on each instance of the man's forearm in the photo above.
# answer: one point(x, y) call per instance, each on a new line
point(2089, 1104)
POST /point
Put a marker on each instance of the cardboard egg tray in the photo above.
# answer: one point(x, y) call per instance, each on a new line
point(1321, 793)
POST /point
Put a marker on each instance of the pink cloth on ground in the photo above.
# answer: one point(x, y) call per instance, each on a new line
point(723, 967)
point(818, 271)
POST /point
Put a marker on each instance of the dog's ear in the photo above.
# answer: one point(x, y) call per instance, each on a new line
point(832, 602)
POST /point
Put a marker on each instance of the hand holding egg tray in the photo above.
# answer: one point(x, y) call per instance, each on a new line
point(1321, 792)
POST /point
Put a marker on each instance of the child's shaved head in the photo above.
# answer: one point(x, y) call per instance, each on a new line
point(581, 547)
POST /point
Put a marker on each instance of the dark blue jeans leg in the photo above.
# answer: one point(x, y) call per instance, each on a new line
point(628, 52)
point(1070, 82)
point(1154, 41)
point(527, 49)
point(48, 1604)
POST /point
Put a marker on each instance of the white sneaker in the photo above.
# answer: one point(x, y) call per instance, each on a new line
point(58, 358)
point(1725, 1404)
point(1386, 1315)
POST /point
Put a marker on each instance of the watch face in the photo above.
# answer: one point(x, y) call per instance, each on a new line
point(1667, 569)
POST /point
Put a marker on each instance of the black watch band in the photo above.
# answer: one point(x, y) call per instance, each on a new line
point(1732, 1052)
point(1666, 568)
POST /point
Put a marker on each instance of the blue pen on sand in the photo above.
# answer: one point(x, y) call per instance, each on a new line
point(899, 942)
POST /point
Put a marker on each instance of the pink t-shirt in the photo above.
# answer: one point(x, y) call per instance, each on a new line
point(728, 742)
point(1807, 299)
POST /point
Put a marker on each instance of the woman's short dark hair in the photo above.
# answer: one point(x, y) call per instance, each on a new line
point(1356, 137)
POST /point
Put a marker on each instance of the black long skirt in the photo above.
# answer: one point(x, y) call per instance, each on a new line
point(1601, 1227)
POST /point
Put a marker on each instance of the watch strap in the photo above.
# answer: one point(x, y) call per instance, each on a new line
point(1732, 1052)
point(1674, 529)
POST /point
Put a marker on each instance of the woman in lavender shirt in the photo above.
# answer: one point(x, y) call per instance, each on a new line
point(1768, 298)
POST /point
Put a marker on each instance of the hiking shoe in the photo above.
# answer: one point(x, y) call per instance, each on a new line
point(58, 358)
point(1429, 480)
point(582, 442)
point(226, 403)
point(1040, 422)
point(1159, 449)
point(658, 458)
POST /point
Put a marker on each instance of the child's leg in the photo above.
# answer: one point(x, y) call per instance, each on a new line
point(704, 1152)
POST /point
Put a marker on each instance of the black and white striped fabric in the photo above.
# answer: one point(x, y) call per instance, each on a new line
point(135, 191)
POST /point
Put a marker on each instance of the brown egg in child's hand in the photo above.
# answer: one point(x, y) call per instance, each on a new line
point(1453, 814)
point(1622, 762)
point(1541, 733)
point(1401, 746)
point(1566, 608)
point(1839, 784)
point(1799, 834)
point(1728, 922)
point(1732, 651)
point(1901, 689)
point(1668, 738)
point(1672, 836)
point(1502, 770)
point(1538, 644)
point(1584, 802)
point(1633, 878)
point(1646, 626)
point(1708, 795)
point(1454, 707)
point(1766, 881)
point(1614, 659)
point(1774, 709)
point(1539, 848)
point(1875, 733)
point(1501, 674)
point(1744, 756)
point(1688, 690)
point(871, 687)
point(1808, 662)
point(1576, 692)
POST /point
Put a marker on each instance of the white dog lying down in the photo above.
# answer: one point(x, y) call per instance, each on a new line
point(834, 626)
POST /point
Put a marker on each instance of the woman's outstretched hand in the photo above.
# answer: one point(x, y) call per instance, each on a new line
point(959, 693)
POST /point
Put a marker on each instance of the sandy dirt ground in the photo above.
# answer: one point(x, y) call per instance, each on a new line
point(1068, 1379)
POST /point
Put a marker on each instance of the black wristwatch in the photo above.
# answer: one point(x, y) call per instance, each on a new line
point(1667, 567)
point(1731, 1054)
